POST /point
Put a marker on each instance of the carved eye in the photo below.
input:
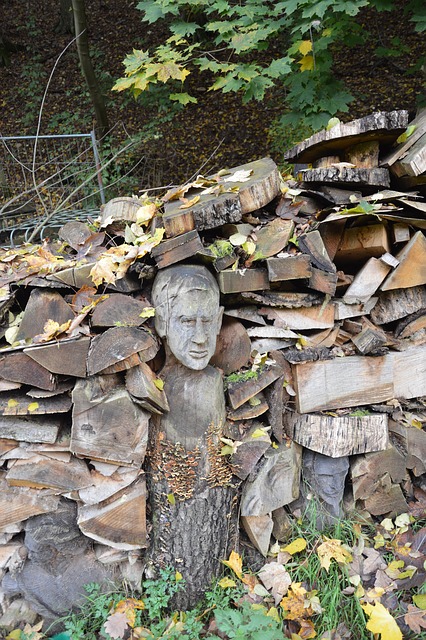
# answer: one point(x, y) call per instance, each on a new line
point(190, 322)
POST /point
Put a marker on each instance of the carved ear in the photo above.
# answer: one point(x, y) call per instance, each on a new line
point(219, 319)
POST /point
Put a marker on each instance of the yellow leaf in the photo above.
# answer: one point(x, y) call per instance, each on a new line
point(171, 499)
point(305, 47)
point(420, 600)
point(296, 546)
point(332, 549)
point(145, 213)
point(33, 406)
point(273, 613)
point(189, 203)
point(226, 583)
point(306, 63)
point(382, 622)
point(147, 312)
point(178, 576)
point(258, 433)
point(10, 404)
point(16, 634)
point(159, 383)
point(235, 562)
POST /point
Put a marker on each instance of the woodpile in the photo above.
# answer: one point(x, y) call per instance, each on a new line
point(323, 344)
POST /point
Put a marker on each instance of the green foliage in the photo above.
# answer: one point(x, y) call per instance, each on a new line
point(223, 39)
point(87, 622)
point(247, 624)
point(241, 376)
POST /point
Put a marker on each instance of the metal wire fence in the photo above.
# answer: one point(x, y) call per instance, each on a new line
point(41, 175)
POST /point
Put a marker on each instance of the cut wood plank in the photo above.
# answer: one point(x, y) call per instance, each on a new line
point(339, 436)
point(241, 392)
point(343, 382)
point(366, 282)
point(316, 317)
point(249, 452)
point(273, 237)
point(409, 372)
point(45, 473)
point(119, 523)
point(246, 280)
point(17, 504)
point(275, 484)
point(117, 310)
point(367, 470)
point(324, 281)
point(286, 299)
point(288, 268)
point(255, 407)
point(398, 303)
point(19, 404)
point(348, 176)
point(108, 425)
point(259, 530)
point(343, 311)
point(140, 383)
point(118, 343)
point(65, 357)
point(233, 347)
point(177, 249)
point(178, 222)
point(29, 429)
point(411, 324)
point(414, 253)
point(360, 243)
point(41, 307)
point(383, 126)
point(19, 367)
point(363, 154)
point(312, 244)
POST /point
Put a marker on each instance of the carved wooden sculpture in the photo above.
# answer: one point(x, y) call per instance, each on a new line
point(189, 482)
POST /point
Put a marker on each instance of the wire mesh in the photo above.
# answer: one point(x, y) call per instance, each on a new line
point(39, 175)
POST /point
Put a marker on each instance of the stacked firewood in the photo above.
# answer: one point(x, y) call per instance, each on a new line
point(323, 344)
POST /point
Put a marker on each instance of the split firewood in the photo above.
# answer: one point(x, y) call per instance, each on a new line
point(255, 407)
point(413, 441)
point(358, 244)
point(118, 310)
point(368, 469)
point(29, 429)
point(241, 391)
point(233, 347)
point(20, 503)
point(398, 303)
point(41, 472)
point(414, 253)
point(20, 404)
point(177, 249)
point(411, 324)
point(259, 530)
point(19, 367)
point(41, 307)
point(118, 343)
point(366, 281)
point(146, 389)
point(66, 357)
point(249, 451)
point(315, 317)
point(312, 244)
point(370, 338)
point(243, 280)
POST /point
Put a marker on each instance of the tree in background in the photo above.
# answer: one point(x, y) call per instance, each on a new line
point(252, 46)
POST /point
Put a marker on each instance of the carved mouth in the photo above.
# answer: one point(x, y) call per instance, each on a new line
point(198, 354)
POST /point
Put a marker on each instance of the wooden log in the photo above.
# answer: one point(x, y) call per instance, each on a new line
point(343, 175)
point(19, 367)
point(119, 523)
point(28, 429)
point(249, 452)
point(363, 154)
point(104, 487)
point(343, 382)
point(367, 281)
point(19, 404)
point(65, 357)
point(409, 373)
point(413, 441)
point(312, 244)
point(209, 211)
point(414, 253)
point(255, 407)
point(177, 249)
point(178, 222)
point(18, 504)
point(339, 436)
point(286, 299)
point(259, 530)
point(121, 208)
point(140, 383)
point(315, 317)
point(118, 343)
point(326, 161)
point(233, 347)
point(118, 310)
point(368, 469)
point(241, 392)
point(107, 425)
point(397, 303)
point(323, 281)
point(247, 280)
point(344, 311)
point(41, 472)
point(275, 484)
point(261, 188)
point(288, 268)
point(369, 339)
point(411, 324)
point(273, 237)
point(41, 307)
point(383, 126)
point(360, 243)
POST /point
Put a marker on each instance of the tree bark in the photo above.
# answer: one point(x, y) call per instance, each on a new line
point(87, 68)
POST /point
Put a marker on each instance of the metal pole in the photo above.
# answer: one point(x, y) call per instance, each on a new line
point(98, 166)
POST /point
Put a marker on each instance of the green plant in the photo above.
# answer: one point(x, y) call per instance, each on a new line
point(245, 623)
point(87, 622)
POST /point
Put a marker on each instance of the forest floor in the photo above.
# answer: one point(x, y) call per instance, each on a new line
point(218, 131)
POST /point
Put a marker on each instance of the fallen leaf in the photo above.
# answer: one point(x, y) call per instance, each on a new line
point(12, 403)
point(147, 312)
point(116, 625)
point(420, 600)
point(159, 384)
point(33, 406)
point(240, 176)
point(380, 621)
point(189, 203)
point(332, 549)
point(276, 579)
point(415, 618)
point(296, 546)
point(227, 583)
point(235, 562)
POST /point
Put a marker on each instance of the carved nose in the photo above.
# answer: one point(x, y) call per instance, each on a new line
point(199, 333)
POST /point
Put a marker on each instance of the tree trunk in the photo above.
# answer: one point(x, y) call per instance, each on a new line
point(65, 23)
point(87, 68)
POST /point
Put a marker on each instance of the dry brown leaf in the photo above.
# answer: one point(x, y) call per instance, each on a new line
point(415, 618)
point(116, 625)
point(276, 579)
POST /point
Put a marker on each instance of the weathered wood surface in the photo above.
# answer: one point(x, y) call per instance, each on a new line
point(273, 237)
point(41, 307)
point(344, 311)
point(141, 384)
point(413, 441)
point(385, 126)
point(241, 392)
point(19, 503)
point(255, 407)
point(119, 522)
point(313, 244)
point(65, 357)
point(233, 347)
point(343, 382)
point(386, 501)
point(29, 429)
point(247, 280)
point(288, 268)
point(290, 300)
point(249, 452)
point(106, 424)
point(103, 487)
point(348, 175)
point(117, 310)
point(323, 281)
point(401, 232)
point(419, 124)
point(414, 253)
point(411, 324)
point(363, 154)
point(19, 367)
point(315, 317)
point(397, 303)
point(118, 343)
point(178, 222)
point(366, 282)
point(259, 530)
point(123, 208)
point(360, 243)
point(414, 162)
point(339, 436)
point(41, 472)
point(409, 377)
point(19, 404)
point(275, 484)
point(177, 249)
point(368, 469)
